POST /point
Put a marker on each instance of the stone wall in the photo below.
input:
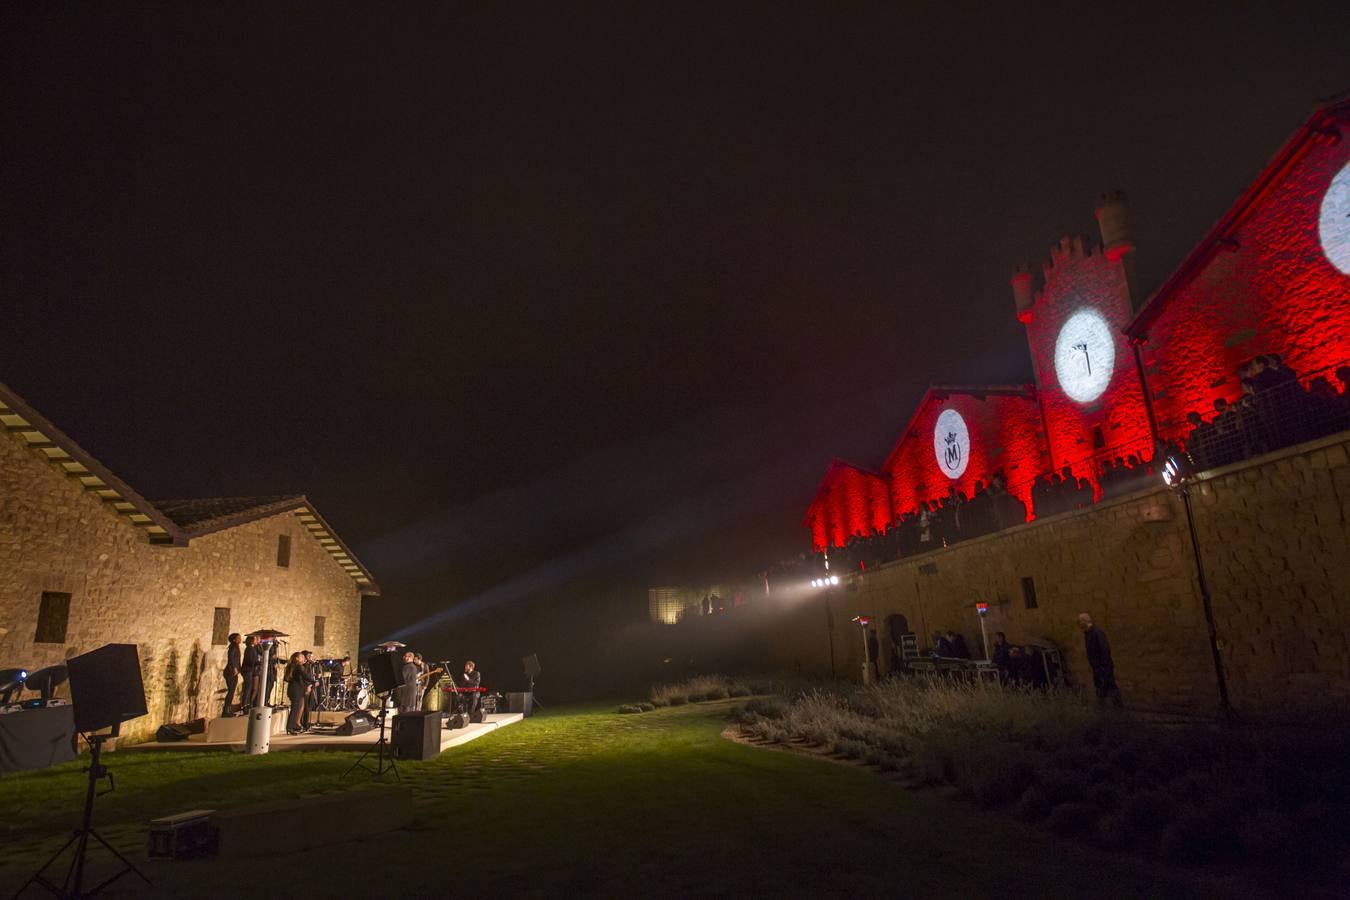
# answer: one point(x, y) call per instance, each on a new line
point(56, 537)
point(1275, 539)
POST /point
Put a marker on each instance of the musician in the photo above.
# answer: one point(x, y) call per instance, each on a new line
point(234, 664)
point(410, 699)
point(315, 673)
point(299, 684)
point(472, 679)
point(252, 667)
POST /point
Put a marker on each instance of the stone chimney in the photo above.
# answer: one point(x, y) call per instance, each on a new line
point(1113, 218)
point(1023, 295)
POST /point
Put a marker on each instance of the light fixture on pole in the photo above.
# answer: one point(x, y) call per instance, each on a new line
point(862, 622)
point(826, 583)
point(982, 610)
point(1177, 473)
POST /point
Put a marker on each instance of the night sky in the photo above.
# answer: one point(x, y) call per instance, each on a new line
point(589, 296)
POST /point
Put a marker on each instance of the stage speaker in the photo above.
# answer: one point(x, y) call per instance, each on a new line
point(358, 723)
point(417, 735)
point(386, 671)
point(520, 702)
point(172, 732)
point(454, 720)
point(105, 687)
point(531, 664)
point(476, 716)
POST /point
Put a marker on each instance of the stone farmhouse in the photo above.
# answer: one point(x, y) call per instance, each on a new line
point(85, 560)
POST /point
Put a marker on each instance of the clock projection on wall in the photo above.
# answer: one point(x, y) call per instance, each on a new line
point(1085, 355)
point(1334, 226)
point(951, 443)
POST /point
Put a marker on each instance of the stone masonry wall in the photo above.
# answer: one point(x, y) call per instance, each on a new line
point(1275, 539)
point(56, 537)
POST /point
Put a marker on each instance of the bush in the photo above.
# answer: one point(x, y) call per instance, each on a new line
point(738, 690)
point(645, 706)
point(1146, 812)
point(1064, 786)
point(850, 748)
point(1003, 781)
point(1265, 834)
point(630, 708)
point(677, 699)
point(718, 692)
point(1073, 818)
point(1033, 805)
point(768, 707)
point(1105, 796)
point(1191, 838)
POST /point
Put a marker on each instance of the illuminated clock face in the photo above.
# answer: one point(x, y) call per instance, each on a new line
point(1085, 355)
point(1334, 226)
point(951, 443)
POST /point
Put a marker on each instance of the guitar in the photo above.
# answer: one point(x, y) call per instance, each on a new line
point(429, 673)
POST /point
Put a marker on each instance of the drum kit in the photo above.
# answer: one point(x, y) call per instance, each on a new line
point(344, 693)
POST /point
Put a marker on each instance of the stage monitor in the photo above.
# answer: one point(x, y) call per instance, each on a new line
point(105, 687)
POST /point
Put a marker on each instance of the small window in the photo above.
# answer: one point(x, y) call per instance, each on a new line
point(318, 631)
point(1029, 591)
point(220, 627)
point(284, 551)
point(53, 616)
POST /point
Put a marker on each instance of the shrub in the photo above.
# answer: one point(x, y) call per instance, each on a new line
point(1105, 796)
point(850, 748)
point(1033, 805)
point(1146, 812)
point(630, 708)
point(1191, 838)
point(1003, 781)
point(677, 699)
point(1073, 818)
point(1063, 786)
point(738, 690)
point(645, 706)
point(768, 707)
point(1265, 834)
point(719, 692)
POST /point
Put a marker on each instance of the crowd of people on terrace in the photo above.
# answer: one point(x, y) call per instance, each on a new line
point(1274, 411)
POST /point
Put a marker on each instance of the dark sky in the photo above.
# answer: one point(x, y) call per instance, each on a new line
point(588, 293)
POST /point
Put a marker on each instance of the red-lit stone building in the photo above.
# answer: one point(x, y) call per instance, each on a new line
point(962, 435)
point(1114, 374)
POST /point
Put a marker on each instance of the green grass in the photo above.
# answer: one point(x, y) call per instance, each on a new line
point(588, 801)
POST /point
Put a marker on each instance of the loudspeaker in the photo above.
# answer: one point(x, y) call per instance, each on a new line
point(358, 723)
point(386, 671)
point(531, 664)
point(169, 733)
point(520, 702)
point(454, 720)
point(476, 715)
point(105, 687)
point(417, 735)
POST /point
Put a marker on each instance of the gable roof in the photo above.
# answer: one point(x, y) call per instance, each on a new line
point(1325, 123)
point(169, 522)
point(941, 392)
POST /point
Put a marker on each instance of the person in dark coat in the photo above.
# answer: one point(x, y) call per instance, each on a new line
point(958, 642)
point(411, 699)
point(941, 645)
point(234, 665)
point(1099, 659)
point(1002, 658)
point(252, 667)
point(472, 678)
point(874, 654)
point(299, 683)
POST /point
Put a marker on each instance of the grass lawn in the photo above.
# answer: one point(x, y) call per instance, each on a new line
point(587, 801)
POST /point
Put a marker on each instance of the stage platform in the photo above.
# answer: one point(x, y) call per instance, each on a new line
point(450, 737)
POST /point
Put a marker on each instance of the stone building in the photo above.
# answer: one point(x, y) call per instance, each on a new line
point(85, 560)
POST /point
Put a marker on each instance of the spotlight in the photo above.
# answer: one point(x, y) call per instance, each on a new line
point(11, 682)
point(1177, 470)
point(834, 579)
